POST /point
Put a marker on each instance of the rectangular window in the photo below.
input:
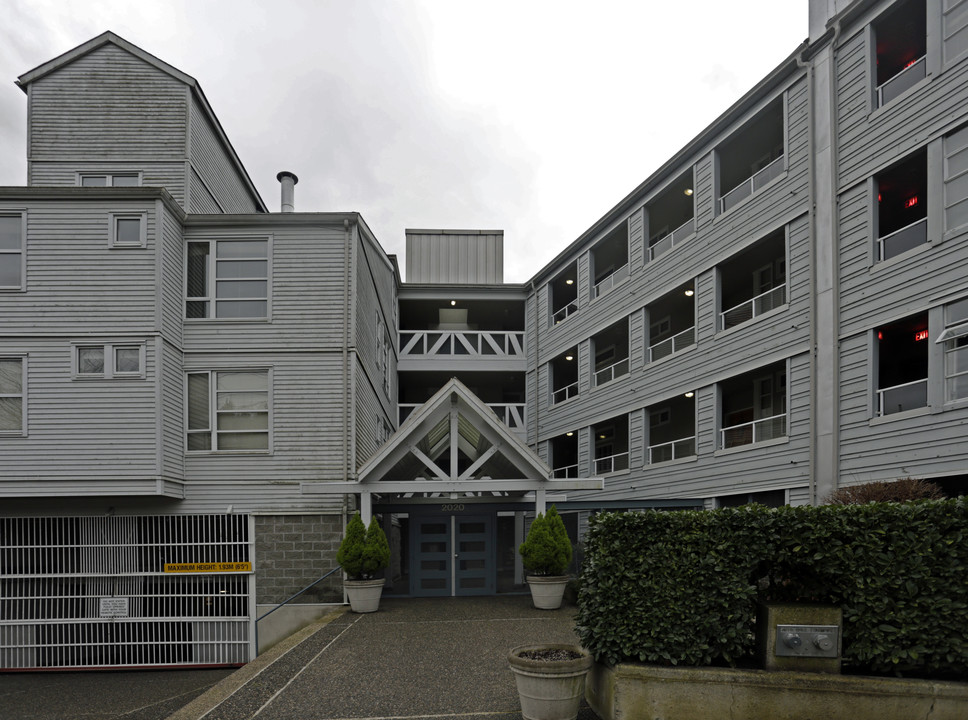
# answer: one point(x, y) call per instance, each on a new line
point(228, 410)
point(109, 361)
point(234, 286)
point(127, 230)
point(12, 251)
point(109, 179)
point(12, 396)
point(955, 339)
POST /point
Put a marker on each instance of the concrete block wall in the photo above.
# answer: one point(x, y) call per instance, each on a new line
point(293, 550)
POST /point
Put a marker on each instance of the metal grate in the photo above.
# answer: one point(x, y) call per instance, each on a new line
point(83, 592)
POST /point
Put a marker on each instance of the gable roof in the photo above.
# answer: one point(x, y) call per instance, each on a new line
point(109, 37)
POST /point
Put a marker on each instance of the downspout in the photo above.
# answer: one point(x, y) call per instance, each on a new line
point(812, 215)
point(346, 351)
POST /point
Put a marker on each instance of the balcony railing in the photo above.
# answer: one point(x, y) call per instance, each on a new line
point(607, 374)
point(907, 78)
point(903, 240)
point(471, 343)
point(751, 184)
point(672, 345)
point(762, 303)
point(565, 471)
point(898, 398)
point(563, 312)
point(612, 463)
point(612, 280)
point(564, 393)
point(664, 452)
point(754, 432)
point(511, 414)
point(667, 242)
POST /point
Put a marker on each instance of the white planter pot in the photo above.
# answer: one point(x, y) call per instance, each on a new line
point(550, 689)
point(547, 590)
point(364, 595)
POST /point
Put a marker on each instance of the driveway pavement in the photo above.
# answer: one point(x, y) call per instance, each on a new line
point(441, 658)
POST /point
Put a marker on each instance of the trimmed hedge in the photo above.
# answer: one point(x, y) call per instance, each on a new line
point(681, 587)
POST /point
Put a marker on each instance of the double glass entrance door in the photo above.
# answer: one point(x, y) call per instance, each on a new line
point(452, 555)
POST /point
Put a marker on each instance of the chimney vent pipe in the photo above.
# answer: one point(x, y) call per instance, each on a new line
point(288, 181)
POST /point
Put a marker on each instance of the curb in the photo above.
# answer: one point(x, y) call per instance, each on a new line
point(221, 691)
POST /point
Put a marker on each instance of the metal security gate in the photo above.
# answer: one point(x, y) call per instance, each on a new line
point(110, 592)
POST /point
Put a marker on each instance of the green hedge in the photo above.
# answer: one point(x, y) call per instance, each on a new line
point(681, 587)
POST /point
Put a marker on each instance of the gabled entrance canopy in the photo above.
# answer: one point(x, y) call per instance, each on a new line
point(454, 446)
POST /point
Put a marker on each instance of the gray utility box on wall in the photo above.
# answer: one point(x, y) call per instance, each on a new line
point(796, 636)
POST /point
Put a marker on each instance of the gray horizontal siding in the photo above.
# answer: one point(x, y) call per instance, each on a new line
point(307, 412)
point(919, 445)
point(214, 166)
point(77, 284)
point(63, 173)
point(308, 292)
point(108, 104)
point(98, 436)
point(172, 433)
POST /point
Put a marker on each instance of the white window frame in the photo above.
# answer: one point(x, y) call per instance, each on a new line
point(113, 235)
point(213, 413)
point(21, 251)
point(955, 328)
point(109, 177)
point(110, 371)
point(211, 297)
point(22, 431)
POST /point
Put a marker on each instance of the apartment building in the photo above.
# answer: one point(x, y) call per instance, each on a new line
point(195, 392)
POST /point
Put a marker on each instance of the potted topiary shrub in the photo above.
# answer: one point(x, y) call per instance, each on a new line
point(550, 679)
point(363, 553)
point(546, 554)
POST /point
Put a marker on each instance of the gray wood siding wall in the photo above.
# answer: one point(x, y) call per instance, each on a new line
point(172, 411)
point(908, 444)
point(869, 139)
point(954, 31)
point(108, 106)
point(781, 335)
point(307, 292)
point(306, 399)
point(61, 173)
point(84, 437)
point(214, 167)
point(200, 199)
point(76, 284)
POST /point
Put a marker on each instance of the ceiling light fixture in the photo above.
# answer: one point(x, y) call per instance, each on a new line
point(688, 192)
point(569, 281)
point(690, 292)
point(690, 394)
point(569, 358)
point(569, 434)
point(453, 302)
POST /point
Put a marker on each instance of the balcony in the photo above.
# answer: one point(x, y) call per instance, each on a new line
point(563, 313)
point(609, 373)
point(756, 431)
point(612, 463)
point(672, 345)
point(564, 393)
point(565, 471)
point(904, 80)
point(450, 343)
point(907, 396)
point(903, 240)
point(674, 450)
point(611, 281)
point(754, 307)
point(667, 242)
point(752, 184)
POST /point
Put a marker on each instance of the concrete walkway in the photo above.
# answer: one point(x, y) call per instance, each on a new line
point(415, 658)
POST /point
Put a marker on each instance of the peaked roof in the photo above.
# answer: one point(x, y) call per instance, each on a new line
point(453, 437)
point(109, 37)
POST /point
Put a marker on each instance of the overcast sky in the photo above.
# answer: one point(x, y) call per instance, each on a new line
point(531, 117)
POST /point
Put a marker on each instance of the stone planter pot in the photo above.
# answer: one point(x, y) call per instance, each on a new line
point(364, 595)
point(549, 689)
point(547, 590)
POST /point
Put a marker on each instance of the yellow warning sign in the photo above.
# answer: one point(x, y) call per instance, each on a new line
point(208, 567)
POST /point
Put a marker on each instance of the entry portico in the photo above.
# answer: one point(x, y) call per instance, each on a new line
point(453, 486)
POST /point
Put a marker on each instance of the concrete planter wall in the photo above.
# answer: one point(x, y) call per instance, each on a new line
point(646, 692)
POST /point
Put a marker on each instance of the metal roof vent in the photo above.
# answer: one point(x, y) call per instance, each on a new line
point(288, 181)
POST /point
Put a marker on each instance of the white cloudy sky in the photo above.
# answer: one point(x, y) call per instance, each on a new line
point(531, 116)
